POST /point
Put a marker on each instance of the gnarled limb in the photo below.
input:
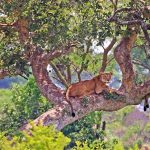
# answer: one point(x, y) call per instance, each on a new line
point(42, 79)
point(45, 85)
point(39, 61)
point(60, 115)
point(122, 54)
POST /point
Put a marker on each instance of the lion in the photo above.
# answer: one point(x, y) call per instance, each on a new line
point(84, 88)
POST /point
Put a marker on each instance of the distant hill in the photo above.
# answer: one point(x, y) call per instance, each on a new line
point(8, 81)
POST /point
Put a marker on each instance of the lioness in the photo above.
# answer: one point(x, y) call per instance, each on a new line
point(83, 88)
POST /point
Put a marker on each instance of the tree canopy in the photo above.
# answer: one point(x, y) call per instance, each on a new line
point(65, 34)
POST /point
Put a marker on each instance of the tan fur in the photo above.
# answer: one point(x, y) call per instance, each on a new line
point(88, 87)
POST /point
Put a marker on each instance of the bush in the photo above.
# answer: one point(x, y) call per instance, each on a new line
point(5, 97)
point(43, 138)
point(27, 103)
point(88, 128)
point(99, 145)
point(103, 145)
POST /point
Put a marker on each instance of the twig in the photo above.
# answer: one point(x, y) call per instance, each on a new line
point(106, 50)
point(137, 62)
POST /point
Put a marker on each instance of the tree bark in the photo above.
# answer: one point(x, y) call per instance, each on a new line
point(122, 54)
point(6, 72)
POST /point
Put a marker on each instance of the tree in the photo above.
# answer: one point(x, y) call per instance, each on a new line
point(37, 33)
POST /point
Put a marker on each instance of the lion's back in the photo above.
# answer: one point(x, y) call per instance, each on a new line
point(81, 88)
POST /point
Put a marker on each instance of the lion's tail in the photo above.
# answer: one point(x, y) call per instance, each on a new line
point(67, 99)
point(146, 104)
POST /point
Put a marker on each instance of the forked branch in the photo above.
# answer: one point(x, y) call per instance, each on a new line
point(105, 54)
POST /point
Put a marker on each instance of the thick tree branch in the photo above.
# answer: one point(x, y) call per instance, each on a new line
point(21, 25)
point(123, 58)
point(39, 61)
point(60, 115)
point(47, 88)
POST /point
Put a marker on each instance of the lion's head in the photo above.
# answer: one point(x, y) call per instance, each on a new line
point(105, 77)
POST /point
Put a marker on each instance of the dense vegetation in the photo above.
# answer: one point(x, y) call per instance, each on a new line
point(23, 103)
point(76, 40)
point(47, 138)
point(5, 97)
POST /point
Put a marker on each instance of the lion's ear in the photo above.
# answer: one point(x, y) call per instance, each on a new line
point(98, 77)
point(111, 73)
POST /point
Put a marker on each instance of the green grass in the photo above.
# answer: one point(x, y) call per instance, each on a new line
point(5, 97)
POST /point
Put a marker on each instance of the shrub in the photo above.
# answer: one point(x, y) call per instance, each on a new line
point(43, 138)
point(99, 145)
point(85, 129)
point(27, 103)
